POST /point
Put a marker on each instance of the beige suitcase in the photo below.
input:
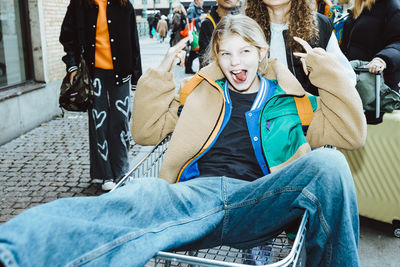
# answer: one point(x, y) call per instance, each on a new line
point(376, 172)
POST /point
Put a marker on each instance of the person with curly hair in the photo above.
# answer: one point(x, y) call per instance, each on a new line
point(281, 20)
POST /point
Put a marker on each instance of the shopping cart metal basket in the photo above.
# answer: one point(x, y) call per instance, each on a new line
point(279, 251)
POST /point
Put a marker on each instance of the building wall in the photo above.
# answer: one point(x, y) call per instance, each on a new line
point(26, 110)
point(22, 113)
point(53, 15)
point(150, 4)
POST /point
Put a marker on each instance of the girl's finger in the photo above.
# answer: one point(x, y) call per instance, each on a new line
point(303, 43)
point(372, 70)
point(181, 56)
point(182, 43)
point(298, 54)
point(303, 63)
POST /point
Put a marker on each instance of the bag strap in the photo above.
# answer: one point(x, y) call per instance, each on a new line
point(211, 19)
point(191, 85)
point(304, 109)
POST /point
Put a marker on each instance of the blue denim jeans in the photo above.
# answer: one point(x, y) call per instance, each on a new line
point(130, 225)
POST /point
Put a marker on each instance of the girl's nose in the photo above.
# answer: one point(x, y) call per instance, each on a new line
point(235, 60)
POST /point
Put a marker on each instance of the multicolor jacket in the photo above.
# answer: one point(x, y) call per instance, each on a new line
point(273, 122)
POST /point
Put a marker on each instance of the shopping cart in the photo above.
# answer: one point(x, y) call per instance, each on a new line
point(279, 251)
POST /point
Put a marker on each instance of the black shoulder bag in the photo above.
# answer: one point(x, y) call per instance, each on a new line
point(78, 96)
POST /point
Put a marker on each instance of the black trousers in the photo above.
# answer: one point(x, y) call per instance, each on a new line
point(192, 55)
point(109, 127)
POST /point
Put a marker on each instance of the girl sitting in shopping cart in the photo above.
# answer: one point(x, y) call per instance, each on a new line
point(243, 117)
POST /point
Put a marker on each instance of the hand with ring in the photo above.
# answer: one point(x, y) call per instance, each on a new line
point(377, 65)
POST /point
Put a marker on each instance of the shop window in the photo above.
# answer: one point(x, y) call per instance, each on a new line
point(14, 58)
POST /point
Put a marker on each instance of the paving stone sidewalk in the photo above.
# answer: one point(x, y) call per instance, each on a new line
point(49, 162)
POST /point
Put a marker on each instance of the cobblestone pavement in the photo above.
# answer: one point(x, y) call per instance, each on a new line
point(49, 162)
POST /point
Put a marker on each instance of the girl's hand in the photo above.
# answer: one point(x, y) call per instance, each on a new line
point(302, 56)
point(377, 65)
point(174, 52)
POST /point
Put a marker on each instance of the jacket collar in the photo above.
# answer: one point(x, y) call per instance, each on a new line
point(213, 71)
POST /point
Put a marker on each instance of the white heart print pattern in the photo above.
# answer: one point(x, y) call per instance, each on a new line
point(99, 117)
point(123, 106)
point(125, 138)
point(97, 87)
point(103, 150)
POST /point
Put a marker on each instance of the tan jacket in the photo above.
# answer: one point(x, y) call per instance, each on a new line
point(162, 28)
point(338, 119)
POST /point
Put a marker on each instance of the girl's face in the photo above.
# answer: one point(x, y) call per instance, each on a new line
point(239, 61)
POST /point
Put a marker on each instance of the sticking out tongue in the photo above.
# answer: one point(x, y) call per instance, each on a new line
point(241, 76)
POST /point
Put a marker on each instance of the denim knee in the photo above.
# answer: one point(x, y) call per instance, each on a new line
point(332, 166)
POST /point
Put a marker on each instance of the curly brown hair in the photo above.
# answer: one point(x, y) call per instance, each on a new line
point(91, 2)
point(302, 22)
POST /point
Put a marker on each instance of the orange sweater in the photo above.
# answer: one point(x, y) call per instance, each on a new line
point(102, 57)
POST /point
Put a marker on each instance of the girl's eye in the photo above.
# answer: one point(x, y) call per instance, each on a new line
point(246, 51)
point(224, 54)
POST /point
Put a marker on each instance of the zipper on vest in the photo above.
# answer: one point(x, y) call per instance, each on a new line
point(222, 111)
point(262, 148)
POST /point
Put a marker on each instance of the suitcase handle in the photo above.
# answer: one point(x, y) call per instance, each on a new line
point(377, 88)
point(361, 69)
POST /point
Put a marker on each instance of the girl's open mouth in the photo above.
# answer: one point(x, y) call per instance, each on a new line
point(239, 76)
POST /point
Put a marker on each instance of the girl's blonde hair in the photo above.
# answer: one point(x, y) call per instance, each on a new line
point(360, 5)
point(243, 26)
point(301, 19)
point(179, 8)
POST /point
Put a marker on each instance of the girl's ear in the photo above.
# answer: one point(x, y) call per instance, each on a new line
point(262, 52)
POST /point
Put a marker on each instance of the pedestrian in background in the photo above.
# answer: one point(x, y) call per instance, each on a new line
point(194, 11)
point(111, 49)
point(150, 23)
point(208, 25)
point(178, 24)
point(154, 24)
point(282, 20)
point(372, 33)
point(323, 6)
point(162, 28)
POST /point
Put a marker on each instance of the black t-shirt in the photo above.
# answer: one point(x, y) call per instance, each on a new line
point(232, 155)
